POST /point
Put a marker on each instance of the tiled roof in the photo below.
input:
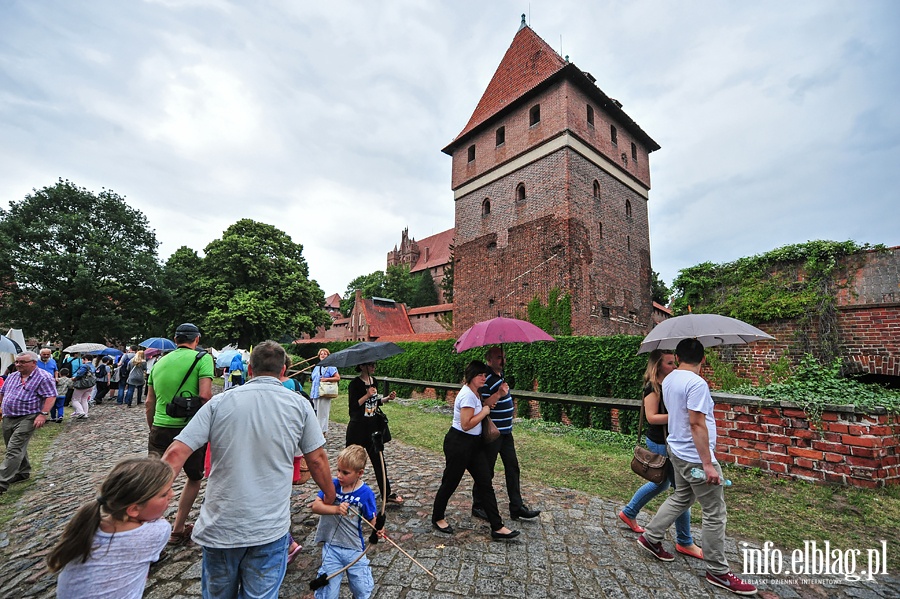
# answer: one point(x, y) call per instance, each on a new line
point(418, 337)
point(528, 62)
point(661, 308)
point(430, 309)
point(386, 318)
point(333, 301)
point(438, 251)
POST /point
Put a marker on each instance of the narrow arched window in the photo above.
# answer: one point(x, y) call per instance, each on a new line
point(628, 208)
point(486, 207)
point(596, 189)
point(520, 192)
point(600, 229)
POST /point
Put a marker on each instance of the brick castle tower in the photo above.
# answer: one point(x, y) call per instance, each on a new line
point(551, 180)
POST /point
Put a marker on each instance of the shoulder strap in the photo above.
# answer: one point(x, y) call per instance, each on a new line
point(200, 354)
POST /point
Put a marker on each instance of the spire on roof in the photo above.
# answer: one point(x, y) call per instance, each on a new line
point(522, 25)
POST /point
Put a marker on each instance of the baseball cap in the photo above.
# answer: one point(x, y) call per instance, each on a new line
point(188, 330)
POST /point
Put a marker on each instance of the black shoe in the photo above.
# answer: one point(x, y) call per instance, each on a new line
point(525, 514)
point(479, 513)
point(504, 536)
point(19, 478)
point(447, 530)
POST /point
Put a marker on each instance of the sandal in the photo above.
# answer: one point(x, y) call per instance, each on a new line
point(394, 498)
point(183, 537)
point(293, 554)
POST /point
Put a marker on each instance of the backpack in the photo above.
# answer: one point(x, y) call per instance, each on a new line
point(85, 380)
point(123, 367)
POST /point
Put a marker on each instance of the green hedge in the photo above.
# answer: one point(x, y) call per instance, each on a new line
point(593, 366)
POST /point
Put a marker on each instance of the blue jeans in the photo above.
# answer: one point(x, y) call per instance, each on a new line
point(120, 397)
point(57, 410)
point(650, 490)
point(132, 389)
point(359, 575)
point(251, 572)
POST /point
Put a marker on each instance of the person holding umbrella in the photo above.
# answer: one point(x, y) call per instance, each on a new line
point(464, 451)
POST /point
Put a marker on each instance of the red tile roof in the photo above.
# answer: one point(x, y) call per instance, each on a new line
point(386, 318)
point(438, 251)
point(528, 62)
point(430, 309)
point(333, 301)
point(418, 337)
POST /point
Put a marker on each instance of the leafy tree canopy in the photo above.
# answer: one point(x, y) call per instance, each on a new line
point(658, 289)
point(397, 283)
point(254, 285)
point(77, 266)
point(371, 285)
point(178, 299)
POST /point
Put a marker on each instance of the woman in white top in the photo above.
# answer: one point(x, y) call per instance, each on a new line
point(463, 450)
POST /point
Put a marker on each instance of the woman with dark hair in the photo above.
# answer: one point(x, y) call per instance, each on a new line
point(464, 450)
point(364, 401)
point(659, 365)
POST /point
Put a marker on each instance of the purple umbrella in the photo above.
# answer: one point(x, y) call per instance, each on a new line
point(500, 330)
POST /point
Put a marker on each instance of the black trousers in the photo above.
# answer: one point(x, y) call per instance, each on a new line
point(360, 433)
point(505, 447)
point(466, 452)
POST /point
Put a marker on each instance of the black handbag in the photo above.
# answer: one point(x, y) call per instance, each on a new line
point(646, 464)
point(381, 424)
point(185, 404)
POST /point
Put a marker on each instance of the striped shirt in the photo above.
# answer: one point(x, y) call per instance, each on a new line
point(502, 413)
point(22, 400)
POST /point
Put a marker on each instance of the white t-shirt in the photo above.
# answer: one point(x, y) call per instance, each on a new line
point(682, 391)
point(254, 431)
point(118, 566)
point(466, 398)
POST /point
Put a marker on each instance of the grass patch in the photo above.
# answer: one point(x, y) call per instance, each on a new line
point(760, 506)
point(40, 443)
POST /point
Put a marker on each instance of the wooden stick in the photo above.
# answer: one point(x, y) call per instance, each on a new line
point(391, 541)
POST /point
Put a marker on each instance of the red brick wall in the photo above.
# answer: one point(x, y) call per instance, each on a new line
point(846, 447)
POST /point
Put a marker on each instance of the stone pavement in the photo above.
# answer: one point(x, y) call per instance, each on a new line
point(578, 548)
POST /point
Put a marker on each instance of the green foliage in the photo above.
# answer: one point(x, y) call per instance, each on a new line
point(76, 265)
point(371, 285)
point(178, 301)
point(813, 386)
point(255, 286)
point(556, 317)
point(447, 281)
point(425, 293)
point(658, 289)
point(723, 376)
point(592, 366)
point(795, 281)
point(399, 284)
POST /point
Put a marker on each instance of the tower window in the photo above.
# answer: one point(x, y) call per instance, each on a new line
point(501, 136)
point(628, 241)
point(613, 136)
point(596, 189)
point(520, 192)
point(486, 207)
point(472, 153)
point(628, 208)
point(590, 115)
point(604, 311)
point(534, 115)
point(600, 229)
point(634, 152)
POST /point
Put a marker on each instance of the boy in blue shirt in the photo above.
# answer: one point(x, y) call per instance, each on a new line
point(341, 530)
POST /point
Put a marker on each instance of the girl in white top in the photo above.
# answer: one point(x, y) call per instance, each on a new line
point(106, 549)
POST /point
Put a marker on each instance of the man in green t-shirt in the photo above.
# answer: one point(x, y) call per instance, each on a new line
point(164, 383)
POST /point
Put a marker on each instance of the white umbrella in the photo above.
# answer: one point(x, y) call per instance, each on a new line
point(84, 348)
point(708, 329)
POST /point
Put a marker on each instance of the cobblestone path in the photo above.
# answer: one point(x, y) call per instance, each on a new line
point(578, 548)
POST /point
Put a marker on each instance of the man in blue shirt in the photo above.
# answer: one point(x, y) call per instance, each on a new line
point(47, 363)
point(502, 414)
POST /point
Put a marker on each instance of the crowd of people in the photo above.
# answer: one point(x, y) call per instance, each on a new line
point(254, 435)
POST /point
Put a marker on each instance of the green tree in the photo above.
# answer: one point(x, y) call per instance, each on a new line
point(371, 285)
point(179, 301)
point(425, 292)
point(77, 266)
point(659, 290)
point(399, 284)
point(447, 281)
point(255, 286)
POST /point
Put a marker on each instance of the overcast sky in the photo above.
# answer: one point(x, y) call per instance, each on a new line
point(779, 121)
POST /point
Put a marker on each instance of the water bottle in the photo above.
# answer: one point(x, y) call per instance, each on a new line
point(699, 475)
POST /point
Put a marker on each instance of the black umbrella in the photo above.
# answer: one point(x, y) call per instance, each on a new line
point(362, 353)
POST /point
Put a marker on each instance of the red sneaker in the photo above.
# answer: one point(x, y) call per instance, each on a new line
point(730, 582)
point(632, 524)
point(656, 549)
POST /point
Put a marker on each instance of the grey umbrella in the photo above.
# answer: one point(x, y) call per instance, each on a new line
point(84, 348)
point(708, 329)
point(362, 353)
point(9, 346)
